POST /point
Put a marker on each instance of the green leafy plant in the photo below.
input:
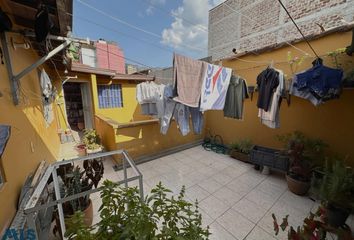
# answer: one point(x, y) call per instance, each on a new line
point(336, 186)
point(294, 62)
point(124, 215)
point(244, 146)
point(91, 139)
point(305, 154)
point(334, 54)
point(314, 227)
point(76, 181)
point(77, 227)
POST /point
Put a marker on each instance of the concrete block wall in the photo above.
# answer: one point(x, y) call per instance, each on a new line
point(252, 24)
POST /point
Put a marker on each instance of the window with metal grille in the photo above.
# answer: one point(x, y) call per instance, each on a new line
point(110, 96)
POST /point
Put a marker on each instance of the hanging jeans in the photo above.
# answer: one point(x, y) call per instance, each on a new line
point(165, 119)
point(165, 109)
point(181, 116)
point(197, 120)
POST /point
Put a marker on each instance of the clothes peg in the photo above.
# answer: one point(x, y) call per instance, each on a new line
point(272, 64)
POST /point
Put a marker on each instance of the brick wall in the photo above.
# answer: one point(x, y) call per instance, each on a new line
point(253, 24)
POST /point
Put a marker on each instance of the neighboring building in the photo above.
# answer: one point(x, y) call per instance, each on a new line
point(252, 24)
point(103, 54)
point(130, 68)
point(133, 68)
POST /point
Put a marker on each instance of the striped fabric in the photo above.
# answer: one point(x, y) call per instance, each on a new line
point(110, 96)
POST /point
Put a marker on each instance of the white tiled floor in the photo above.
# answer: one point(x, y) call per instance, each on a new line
point(236, 201)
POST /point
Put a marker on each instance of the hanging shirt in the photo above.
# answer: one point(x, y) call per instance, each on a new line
point(47, 95)
point(46, 84)
point(267, 82)
point(147, 95)
point(188, 78)
point(271, 117)
point(235, 96)
point(214, 88)
point(148, 92)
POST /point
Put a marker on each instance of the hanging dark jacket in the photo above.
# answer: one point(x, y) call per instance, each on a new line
point(267, 82)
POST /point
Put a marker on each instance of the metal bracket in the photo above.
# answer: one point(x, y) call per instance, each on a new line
point(14, 79)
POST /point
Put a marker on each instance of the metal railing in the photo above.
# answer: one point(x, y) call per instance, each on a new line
point(33, 206)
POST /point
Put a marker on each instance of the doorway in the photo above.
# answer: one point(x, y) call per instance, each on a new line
point(78, 105)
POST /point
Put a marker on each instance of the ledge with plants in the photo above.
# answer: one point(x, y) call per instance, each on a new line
point(91, 142)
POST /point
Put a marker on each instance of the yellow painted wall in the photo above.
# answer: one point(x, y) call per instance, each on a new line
point(332, 122)
point(147, 139)
point(138, 140)
point(106, 133)
point(31, 140)
point(130, 110)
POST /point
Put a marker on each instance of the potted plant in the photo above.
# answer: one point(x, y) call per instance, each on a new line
point(241, 150)
point(73, 180)
point(304, 155)
point(336, 189)
point(92, 141)
point(124, 215)
point(315, 227)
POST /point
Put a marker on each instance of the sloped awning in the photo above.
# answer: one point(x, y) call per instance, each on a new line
point(4, 137)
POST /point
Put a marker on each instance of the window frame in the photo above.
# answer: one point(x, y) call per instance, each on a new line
point(105, 99)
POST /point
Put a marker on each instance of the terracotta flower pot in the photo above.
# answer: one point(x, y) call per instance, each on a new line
point(88, 215)
point(81, 148)
point(296, 186)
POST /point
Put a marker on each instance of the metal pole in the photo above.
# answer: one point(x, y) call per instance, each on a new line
point(59, 205)
point(125, 172)
point(13, 82)
point(42, 60)
point(32, 224)
point(141, 188)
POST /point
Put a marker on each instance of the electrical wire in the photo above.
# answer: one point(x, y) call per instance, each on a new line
point(303, 36)
point(133, 26)
point(175, 15)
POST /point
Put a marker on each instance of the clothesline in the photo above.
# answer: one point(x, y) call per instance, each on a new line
point(266, 63)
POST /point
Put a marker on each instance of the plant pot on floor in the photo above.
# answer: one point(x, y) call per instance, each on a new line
point(81, 149)
point(296, 186)
point(336, 216)
point(240, 156)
